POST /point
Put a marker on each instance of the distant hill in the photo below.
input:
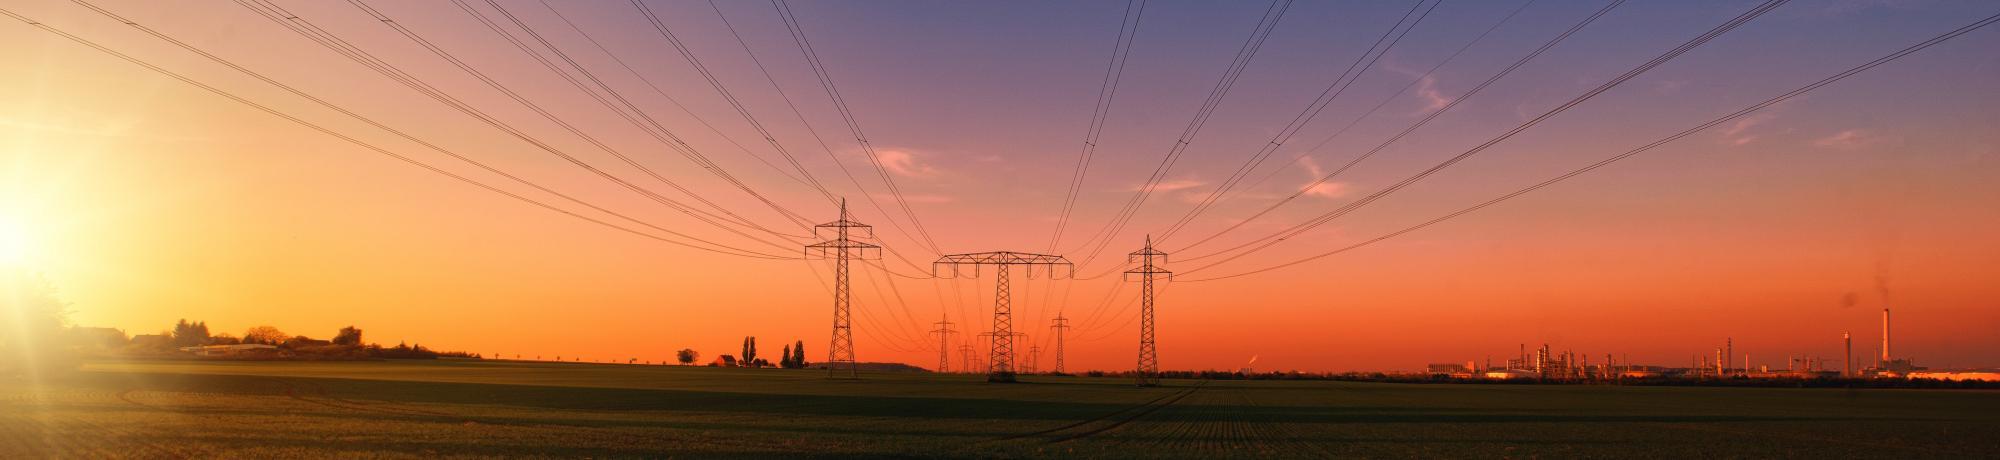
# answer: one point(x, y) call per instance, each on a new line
point(878, 367)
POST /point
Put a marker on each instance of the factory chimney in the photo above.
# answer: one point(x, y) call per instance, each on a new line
point(1885, 335)
point(1849, 339)
point(1729, 358)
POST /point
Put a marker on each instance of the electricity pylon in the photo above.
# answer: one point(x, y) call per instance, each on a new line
point(1061, 325)
point(842, 248)
point(1015, 337)
point(1034, 359)
point(1149, 358)
point(944, 333)
point(965, 354)
point(1000, 364)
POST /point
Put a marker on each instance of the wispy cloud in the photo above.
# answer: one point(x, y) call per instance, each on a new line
point(1739, 133)
point(904, 163)
point(1428, 91)
point(1171, 185)
point(1849, 139)
point(1327, 190)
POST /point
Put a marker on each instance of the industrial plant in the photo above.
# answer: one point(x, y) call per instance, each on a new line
point(1548, 365)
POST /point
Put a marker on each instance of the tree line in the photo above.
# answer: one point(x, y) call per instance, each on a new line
point(793, 356)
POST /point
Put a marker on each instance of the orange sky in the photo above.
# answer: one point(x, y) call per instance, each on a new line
point(146, 200)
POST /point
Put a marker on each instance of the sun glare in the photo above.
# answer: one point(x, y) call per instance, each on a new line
point(14, 242)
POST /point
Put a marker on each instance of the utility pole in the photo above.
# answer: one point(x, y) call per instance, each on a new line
point(842, 248)
point(944, 333)
point(1062, 325)
point(1000, 364)
point(1149, 358)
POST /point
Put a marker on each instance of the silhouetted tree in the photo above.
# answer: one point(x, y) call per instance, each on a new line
point(749, 351)
point(687, 356)
point(223, 339)
point(799, 359)
point(188, 334)
point(348, 336)
point(265, 335)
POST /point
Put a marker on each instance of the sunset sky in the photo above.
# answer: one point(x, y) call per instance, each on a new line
point(145, 200)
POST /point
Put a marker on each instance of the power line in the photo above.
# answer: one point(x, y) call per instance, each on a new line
point(334, 43)
point(1413, 127)
point(1311, 111)
point(1107, 90)
point(1919, 46)
point(1669, 55)
point(544, 113)
point(658, 132)
point(670, 98)
point(824, 147)
point(1244, 54)
point(735, 103)
point(825, 77)
point(1420, 78)
point(385, 152)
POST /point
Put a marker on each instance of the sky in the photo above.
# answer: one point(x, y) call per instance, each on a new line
point(145, 200)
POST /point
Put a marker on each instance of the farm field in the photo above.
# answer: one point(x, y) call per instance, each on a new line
point(402, 409)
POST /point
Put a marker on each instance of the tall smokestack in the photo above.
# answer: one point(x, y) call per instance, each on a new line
point(1849, 362)
point(1885, 335)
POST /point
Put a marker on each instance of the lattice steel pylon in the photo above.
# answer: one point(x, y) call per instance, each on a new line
point(1061, 325)
point(1034, 359)
point(1149, 358)
point(1000, 362)
point(842, 248)
point(944, 333)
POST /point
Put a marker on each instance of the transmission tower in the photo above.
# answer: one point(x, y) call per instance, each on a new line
point(1149, 358)
point(1000, 361)
point(965, 354)
point(1014, 337)
point(944, 333)
point(1034, 359)
point(842, 248)
point(1061, 325)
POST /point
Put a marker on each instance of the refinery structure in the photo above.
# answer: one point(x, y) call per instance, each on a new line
point(1723, 362)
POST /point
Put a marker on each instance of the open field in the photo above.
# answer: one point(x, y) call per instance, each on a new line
point(466, 408)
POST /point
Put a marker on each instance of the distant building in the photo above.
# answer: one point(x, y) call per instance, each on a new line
point(153, 341)
point(1637, 373)
point(1450, 369)
point(1512, 374)
point(723, 361)
point(226, 350)
point(1988, 375)
point(1896, 368)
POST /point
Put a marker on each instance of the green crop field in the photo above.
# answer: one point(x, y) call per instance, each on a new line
point(469, 408)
